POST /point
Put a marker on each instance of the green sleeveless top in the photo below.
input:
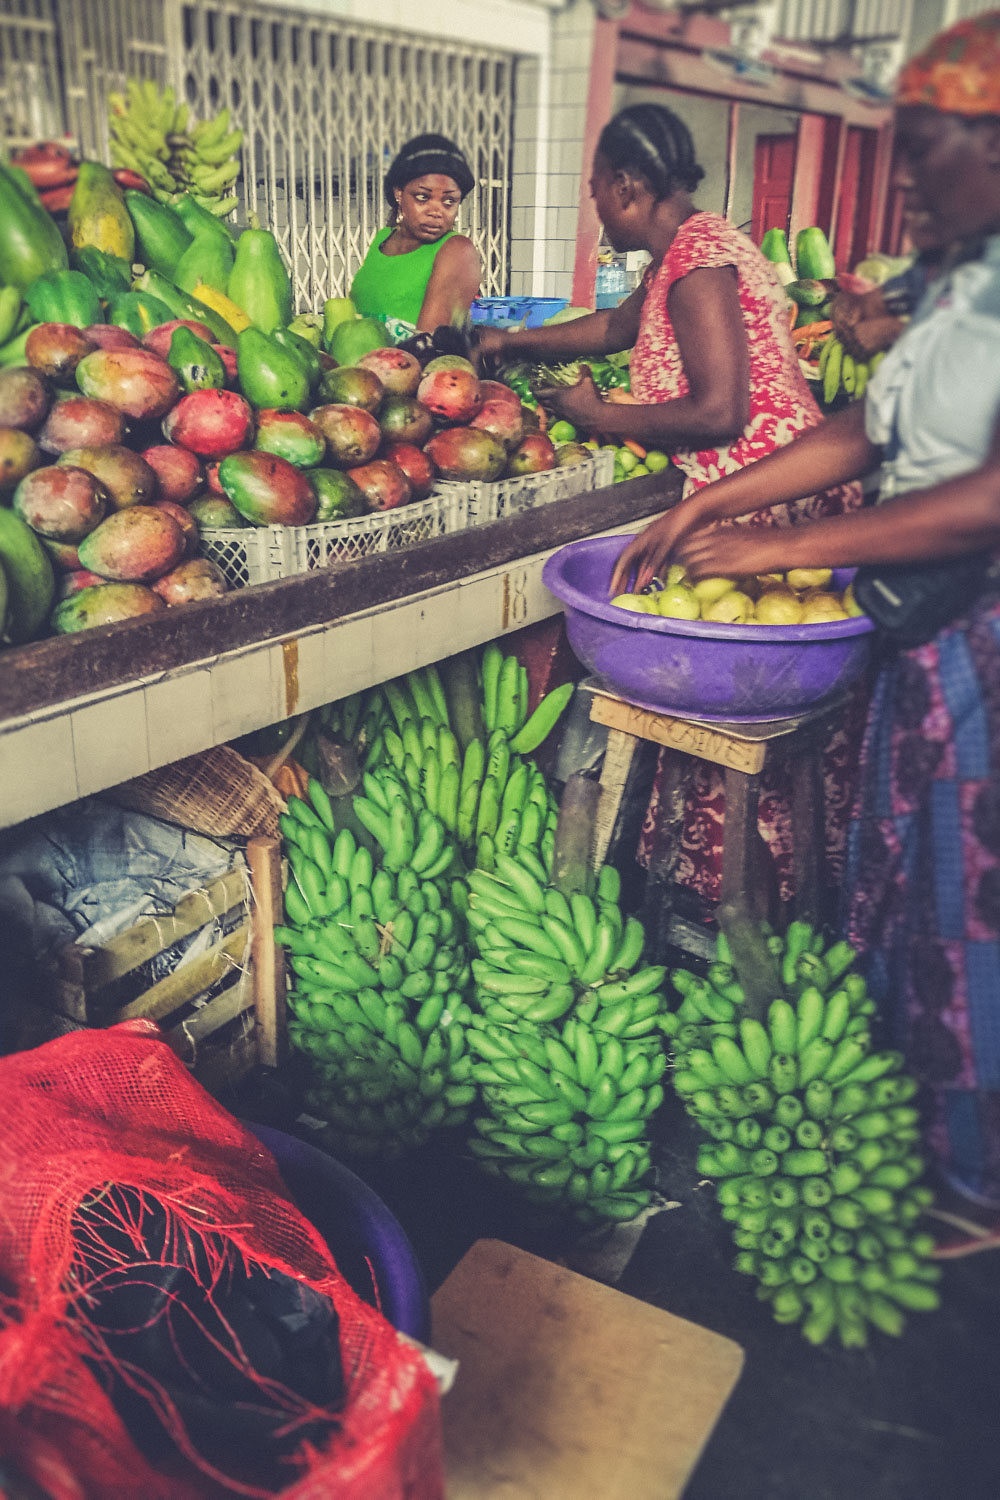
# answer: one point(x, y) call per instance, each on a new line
point(392, 287)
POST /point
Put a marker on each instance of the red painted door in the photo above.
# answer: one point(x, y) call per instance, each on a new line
point(773, 175)
point(856, 206)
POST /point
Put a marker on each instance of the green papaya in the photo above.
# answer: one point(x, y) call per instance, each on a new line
point(208, 259)
point(807, 293)
point(106, 272)
point(30, 241)
point(14, 352)
point(356, 337)
point(196, 219)
point(774, 247)
point(160, 235)
point(64, 297)
point(30, 580)
point(196, 364)
point(270, 376)
point(336, 310)
point(97, 214)
point(183, 305)
point(259, 282)
point(24, 182)
point(138, 312)
point(306, 354)
point(308, 326)
point(813, 256)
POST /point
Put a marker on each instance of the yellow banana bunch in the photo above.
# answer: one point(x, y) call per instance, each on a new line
point(839, 370)
point(152, 134)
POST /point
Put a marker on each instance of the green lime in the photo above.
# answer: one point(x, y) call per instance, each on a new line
point(626, 460)
point(656, 461)
point(638, 470)
point(562, 432)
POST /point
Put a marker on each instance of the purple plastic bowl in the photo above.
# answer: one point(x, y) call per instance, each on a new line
point(368, 1243)
point(737, 673)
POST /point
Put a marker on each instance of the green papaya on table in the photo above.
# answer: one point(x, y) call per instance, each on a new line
point(270, 375)
point(138, 312)
point(30, 241)
point(207, 261)
point(161, 236)
point(259, 282)
point(196, 364)
point(64, 296)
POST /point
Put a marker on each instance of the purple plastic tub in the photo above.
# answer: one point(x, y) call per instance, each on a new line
point(368, 1243)
point(734, 673)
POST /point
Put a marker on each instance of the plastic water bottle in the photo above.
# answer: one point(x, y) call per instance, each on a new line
point(611, 284)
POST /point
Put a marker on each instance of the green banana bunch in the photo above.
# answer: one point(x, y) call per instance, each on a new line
point(381, 971)
point(488, 794)
point(564, 1114)
point(839, 370)
point(566, 1029)
point(150, 133)
point(814, 1142)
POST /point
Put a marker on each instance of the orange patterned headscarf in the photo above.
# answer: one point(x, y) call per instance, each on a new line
point(959, 71)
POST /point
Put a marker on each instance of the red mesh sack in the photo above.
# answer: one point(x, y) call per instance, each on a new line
point(120, 1175)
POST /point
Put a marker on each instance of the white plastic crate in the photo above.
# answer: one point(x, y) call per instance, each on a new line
point(258, 554)
point(492, 501)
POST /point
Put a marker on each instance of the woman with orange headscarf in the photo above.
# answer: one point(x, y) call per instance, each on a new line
point(922, 892)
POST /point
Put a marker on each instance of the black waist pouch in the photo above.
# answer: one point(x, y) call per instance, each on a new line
point(911, 602)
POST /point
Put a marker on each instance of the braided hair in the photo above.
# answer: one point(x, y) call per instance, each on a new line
point(652, 142)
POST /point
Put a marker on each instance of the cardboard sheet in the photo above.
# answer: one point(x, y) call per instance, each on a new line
point(568, 1389)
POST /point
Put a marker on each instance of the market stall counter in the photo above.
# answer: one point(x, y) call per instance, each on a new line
point(85, 712)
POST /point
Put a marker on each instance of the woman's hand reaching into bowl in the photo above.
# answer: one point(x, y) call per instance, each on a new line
point(719, 551)
point(649, 553)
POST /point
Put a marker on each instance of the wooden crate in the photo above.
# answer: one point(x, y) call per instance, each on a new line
point(243, 1021)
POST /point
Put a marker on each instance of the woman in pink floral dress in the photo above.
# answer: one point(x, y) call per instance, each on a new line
point(718, 385)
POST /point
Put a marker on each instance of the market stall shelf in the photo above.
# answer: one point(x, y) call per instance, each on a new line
point(115, 702)
point(259, 554)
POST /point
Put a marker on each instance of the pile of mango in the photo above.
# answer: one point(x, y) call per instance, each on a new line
point(802, 596)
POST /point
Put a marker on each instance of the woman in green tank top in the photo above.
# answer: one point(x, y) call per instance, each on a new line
point(420, 272)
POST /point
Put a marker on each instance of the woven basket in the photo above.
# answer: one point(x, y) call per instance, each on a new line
point(217, 792)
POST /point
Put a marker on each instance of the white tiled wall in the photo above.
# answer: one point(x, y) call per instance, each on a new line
point(548, 166)
point(101, 739)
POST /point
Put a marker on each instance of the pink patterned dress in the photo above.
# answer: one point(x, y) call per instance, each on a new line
point(781, 408)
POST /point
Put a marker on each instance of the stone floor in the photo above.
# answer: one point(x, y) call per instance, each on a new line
point(909, 1419)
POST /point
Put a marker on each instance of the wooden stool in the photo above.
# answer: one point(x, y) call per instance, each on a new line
point(567, 1389)
point(743, 751)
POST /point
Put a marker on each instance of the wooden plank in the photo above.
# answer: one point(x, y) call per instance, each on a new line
point(155, 934)
point(191, 980)
point(567, 1389)
point(715, 745)
point(266, 959)
point(808, 833)
point(220, 1068)
point(657, 904)
point(220, 1010)
point(52, 672)
point(618, 758)
point(743, 886)
point(70, 988)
